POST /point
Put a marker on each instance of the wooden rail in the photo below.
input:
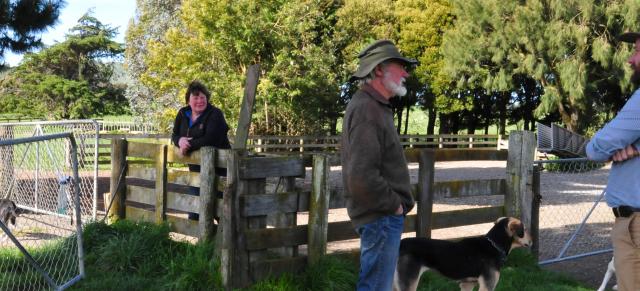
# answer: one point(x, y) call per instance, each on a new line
point(259, 235)
point(332, 142)
point(150, 190)
point(309, 145)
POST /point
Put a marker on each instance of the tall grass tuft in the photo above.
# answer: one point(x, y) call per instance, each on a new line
point(141, 256)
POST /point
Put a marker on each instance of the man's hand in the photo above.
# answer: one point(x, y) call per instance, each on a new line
point(400, 210)
point(626, 153)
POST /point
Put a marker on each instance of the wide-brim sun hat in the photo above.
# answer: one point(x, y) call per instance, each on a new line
point(376, 53)
point(630, 37)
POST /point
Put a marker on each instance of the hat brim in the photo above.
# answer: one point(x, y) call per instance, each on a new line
point(363, 71)
point(630, 37)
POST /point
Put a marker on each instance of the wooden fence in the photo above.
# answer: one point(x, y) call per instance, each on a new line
point(308, 145)
point(259, 235)
point(331, 143)
point(147, 188)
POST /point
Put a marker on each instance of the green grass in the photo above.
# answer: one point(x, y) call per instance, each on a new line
point(141, 256)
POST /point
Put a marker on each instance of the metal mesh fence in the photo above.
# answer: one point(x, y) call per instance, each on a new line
point(39, 243)
point(36, 171)
point(575, 221)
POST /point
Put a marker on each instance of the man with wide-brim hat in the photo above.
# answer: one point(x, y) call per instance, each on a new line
point(374, 169)
point(618, 141)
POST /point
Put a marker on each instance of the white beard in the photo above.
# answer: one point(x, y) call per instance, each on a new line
point(398, 89)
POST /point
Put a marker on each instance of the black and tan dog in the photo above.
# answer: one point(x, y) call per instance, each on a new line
point(8, 211)
point(470, 261)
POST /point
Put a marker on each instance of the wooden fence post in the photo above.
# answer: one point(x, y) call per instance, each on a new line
point(161, 183)
point(318, 209)
point(208, 193)
point(243, 259)
point(519, 180)
point(424, 197)
point(246, 110)
point(118, 182)
point(232, 255)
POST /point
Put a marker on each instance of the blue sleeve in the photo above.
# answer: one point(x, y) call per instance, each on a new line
point(610, 139)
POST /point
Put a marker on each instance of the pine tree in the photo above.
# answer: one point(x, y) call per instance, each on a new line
point(21, 21)
point(567, 46)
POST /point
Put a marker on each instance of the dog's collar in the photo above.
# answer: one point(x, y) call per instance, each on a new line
point(503, 254)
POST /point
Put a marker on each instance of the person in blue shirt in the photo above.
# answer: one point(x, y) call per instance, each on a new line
point(619, 141)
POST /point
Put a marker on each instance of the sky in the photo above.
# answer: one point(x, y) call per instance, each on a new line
point(115, 13)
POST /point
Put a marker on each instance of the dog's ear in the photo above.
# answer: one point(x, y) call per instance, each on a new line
point(13, 219)
point(499, 219)
point(516, 227)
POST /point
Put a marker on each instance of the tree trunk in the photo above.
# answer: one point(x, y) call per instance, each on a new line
point(399, 115)
point(406, 119)
point(334, 126)
point(266, 116)
point(504, 100)
point(431, 123)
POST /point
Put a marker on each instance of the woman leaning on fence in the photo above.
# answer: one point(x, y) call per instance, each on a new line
point(199, 124)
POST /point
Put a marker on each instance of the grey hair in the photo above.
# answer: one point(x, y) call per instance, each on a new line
point(372, 74)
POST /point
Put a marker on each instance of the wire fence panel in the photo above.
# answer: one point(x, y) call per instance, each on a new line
point(40, 248)
point(575, 222)
point(574, 218)
point(35, 166)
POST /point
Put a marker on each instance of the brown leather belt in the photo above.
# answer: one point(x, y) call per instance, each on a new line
point(624, 211)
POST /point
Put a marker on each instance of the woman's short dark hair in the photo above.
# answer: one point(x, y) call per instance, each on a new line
point(196, 87)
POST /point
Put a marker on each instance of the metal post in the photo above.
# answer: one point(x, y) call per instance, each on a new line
point(76, 192)
point(95, 170)
point(36, 188)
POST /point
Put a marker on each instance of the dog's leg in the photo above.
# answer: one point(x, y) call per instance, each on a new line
point(607, 276)
point(407, 275)
point(467, 286)
point(489, 282)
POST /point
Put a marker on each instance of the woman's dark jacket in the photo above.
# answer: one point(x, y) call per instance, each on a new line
point(210, 129)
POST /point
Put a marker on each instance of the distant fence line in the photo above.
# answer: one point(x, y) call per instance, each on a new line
point(332, 142)
point(128, 126)
point(311, 144)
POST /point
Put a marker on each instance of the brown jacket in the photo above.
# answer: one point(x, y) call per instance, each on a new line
point(374, 169)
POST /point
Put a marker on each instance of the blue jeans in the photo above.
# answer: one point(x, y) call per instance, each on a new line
point(379, 244)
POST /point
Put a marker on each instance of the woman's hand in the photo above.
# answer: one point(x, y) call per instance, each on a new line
point(185, 144)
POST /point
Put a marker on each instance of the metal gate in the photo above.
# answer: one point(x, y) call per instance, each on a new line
point(41, 238)
point(574, 220)
point(39, 157)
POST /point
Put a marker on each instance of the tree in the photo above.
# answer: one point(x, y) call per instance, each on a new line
point(420, 26)
point(153, 18)
point(567, 47)
point(217, 41)
point(69, 79)
point(22, 20)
